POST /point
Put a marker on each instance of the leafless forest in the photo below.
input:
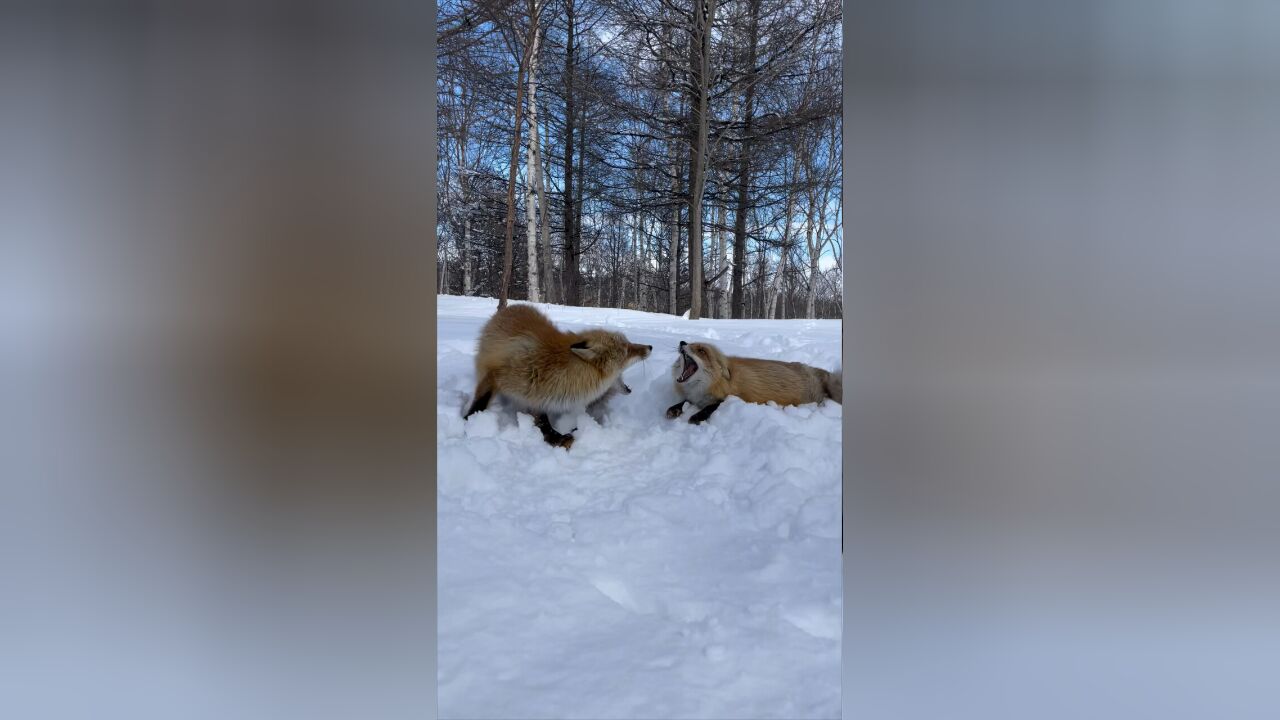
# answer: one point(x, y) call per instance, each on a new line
point(661, 155)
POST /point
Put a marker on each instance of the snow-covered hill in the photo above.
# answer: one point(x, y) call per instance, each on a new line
point(656, 570)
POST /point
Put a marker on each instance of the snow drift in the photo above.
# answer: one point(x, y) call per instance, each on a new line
point(657, 569)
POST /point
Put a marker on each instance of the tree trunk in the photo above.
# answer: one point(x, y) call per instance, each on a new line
point(704, 12)
point(569, 285)
point(466, 255)
point(814, 234)
point(673, 254)
point(599, 275)
point(533, 165)
point(757, 289)
point(545, 220)
point(815, 250)
point(511, 180)
point(813, 283)
point(744, 162)
point(632, 256)
point(771, 297)
point(722, 261)
point(624, 274)
point(580, 203)
point(775, 288)
point(738, 274)
point(582, 176)
point(673, 247)
point(464, 198)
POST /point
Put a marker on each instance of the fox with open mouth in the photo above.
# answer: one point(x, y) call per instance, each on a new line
point(704, 377)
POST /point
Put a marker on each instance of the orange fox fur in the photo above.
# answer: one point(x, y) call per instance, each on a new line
point(526, 359)
point(705, 376)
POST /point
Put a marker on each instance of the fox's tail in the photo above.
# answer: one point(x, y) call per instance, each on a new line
point(833, 384)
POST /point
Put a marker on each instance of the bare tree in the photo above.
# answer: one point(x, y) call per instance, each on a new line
point(515, 153)
point(818, 237)
point(651, 124)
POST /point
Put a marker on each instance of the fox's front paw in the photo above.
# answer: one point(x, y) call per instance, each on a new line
point(674, 411)
point(564, 440)
point(702, 415)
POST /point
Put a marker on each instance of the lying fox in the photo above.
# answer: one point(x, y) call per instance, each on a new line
point(527, 360)
point(705, 377)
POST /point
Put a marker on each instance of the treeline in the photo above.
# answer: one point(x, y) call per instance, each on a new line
point(662, 155)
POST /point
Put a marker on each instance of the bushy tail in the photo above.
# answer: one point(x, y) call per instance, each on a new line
point(833, 384)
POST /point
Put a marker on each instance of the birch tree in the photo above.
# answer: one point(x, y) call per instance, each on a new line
point(533, 169)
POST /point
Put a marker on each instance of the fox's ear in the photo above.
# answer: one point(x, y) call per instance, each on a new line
point(720, 360)
point(721, 364)
point(581, 350)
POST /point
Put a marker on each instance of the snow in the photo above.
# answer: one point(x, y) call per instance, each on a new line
point(657, 569)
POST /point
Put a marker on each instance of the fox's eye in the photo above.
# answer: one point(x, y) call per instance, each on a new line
point(580, 345)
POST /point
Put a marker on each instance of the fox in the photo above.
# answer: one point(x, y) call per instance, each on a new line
point(704, 376)
point(522, 357)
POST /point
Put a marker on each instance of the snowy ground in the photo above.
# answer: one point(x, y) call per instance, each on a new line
point(656, 570)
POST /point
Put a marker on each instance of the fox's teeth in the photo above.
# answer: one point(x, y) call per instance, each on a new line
point(690, 367)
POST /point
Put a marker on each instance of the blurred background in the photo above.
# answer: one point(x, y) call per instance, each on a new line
point(1063, 359)
point(216, 362)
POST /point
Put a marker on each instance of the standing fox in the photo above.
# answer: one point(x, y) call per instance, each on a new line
point(705, 377)
point(524, 358)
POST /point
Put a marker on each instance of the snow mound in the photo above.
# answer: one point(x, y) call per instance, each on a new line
point(658, 569)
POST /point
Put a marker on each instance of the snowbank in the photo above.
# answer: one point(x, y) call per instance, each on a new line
point(657, 569)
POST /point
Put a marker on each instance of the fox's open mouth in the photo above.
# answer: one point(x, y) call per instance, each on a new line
point(690, 367)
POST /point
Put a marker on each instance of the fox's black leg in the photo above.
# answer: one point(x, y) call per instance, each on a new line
point(477, 405)
point(701, 416)
point(543, 423)
point(480, 401)
point(675, 410)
